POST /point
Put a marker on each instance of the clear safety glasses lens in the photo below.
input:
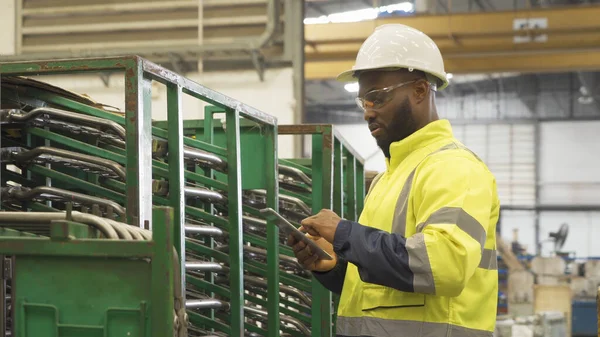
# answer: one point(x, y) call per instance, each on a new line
point(376, 99)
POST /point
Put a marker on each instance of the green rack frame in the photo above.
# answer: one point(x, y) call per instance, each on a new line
point(139, 74)
point(338, 184)
point(334, 164)
point(145, 308)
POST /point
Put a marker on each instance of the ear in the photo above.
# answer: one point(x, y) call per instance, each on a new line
point(421, 91)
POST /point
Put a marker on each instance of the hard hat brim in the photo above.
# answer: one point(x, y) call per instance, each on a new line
point(348, 76)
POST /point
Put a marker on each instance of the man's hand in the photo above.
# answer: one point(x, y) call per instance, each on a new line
point(308, 259)
point(322, 224)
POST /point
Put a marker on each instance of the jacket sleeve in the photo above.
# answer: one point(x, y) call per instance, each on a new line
point(333, 280)
point(452, 200)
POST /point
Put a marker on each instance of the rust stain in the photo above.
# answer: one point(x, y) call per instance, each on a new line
point(328, 140)
point(301, 128)
point(45, 66)
point(130, 97)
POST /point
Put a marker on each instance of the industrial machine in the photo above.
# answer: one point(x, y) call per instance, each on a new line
point(113, 224)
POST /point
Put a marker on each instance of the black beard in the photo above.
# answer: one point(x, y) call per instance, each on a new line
point(402, 125)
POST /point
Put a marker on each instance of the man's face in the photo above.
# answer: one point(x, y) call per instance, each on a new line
point(389, 113)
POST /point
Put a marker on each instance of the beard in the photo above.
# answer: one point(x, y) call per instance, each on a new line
point(402, 125)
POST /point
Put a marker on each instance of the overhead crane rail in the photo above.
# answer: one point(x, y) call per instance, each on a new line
point(534, 40)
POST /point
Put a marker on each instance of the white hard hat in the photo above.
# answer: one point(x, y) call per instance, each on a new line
point(395, 46)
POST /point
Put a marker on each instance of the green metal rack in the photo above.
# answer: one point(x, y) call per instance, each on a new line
point(234, 272)
point(72, 285)
point(338, 183)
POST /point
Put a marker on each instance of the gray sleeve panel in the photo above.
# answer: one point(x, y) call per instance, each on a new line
point(381, 257)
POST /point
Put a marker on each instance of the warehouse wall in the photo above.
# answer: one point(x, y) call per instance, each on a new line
point(274, 95)
point(570, 160)
point(7, 27)
point(569, 174)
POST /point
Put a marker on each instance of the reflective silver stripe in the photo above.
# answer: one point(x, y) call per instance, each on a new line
point(460, 218)
point(399, 219)
point(418, 259)
point(400, 212)
point(418, 262)
point(489, 259)
point(379, 327)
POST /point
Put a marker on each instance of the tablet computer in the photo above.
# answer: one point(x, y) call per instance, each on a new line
point(289, 229)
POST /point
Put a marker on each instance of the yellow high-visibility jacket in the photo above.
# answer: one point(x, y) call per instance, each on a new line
point(421, 261)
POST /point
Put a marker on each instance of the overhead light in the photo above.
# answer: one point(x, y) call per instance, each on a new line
point(351, 87)
point(361, 14)
point(449, 76)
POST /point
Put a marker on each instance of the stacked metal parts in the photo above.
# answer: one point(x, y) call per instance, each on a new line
point(230, 271)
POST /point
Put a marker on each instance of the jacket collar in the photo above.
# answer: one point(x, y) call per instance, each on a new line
point(427, 135)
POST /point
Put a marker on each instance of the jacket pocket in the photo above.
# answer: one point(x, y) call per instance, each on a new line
point(380, 297)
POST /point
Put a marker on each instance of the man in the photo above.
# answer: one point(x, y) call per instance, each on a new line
point(421, 260)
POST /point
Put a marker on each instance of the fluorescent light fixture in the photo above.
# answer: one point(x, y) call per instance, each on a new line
point(361, 14)
point(351, 87)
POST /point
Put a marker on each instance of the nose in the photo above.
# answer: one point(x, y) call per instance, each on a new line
point(368, 114)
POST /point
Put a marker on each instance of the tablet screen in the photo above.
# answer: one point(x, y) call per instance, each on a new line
point(289, 229)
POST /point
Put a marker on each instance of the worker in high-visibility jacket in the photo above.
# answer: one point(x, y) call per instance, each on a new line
point(421, 260)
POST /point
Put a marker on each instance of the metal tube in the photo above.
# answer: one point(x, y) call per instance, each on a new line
point(255, 221)
point(537, 167)
point(135, 232)
point(23, 193)
point(96, 221)
point(272, 25)
point(296, 201)
point(46, 217)
point(22, 116)
point(292, 262)
point(284, 198)
point(41, 150)
point(294, 172)
point(204, 194)
point(284, 318)
point(121, 231)
point(286, 289)
point(203, 266)
point(203, 230)
point(195, 154)
point(283, 258)
point(205, 304)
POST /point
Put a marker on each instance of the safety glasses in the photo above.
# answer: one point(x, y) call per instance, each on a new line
point(377, 98)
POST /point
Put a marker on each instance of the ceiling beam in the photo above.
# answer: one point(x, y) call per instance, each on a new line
point(474, 42)
point(557, 61)
point(463, 25)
